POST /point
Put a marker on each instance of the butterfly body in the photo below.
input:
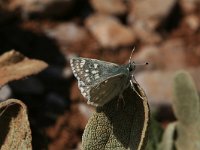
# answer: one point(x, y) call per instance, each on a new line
point(100, 81)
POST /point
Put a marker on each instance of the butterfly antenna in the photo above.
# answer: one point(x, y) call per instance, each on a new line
point(131, 55)
point(141, 64)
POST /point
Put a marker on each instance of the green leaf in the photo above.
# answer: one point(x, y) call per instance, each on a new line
point(120, 124)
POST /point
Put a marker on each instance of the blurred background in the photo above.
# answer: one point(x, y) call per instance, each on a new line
point(166, 34)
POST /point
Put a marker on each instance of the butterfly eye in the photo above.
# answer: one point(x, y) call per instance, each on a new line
point(130, 68)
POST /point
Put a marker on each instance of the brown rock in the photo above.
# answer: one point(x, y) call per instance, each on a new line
point(10, 5)
point(145, 33)
point(170, 55)
point(189, 6)
point(146, 15)
point(47, 8)
point(109, 32)
point(72, 38)
point(79, 115)
point(66, 132)
point(193, 22)
point(62, 134)
point(67, 33)
point(5, 92)
point(147, 10)
point(158, 84)
point(115, 7)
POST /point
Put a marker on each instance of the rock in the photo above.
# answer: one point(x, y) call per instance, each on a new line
point(170, 55)
point(115, 7)
point(67, 33)
point(47, 8)
point(67, 72)
point(62, 135)
point(79, 115)
point(8, 11)
point(5, 93)
point(193, 22)
point(173, 54)
point(150, 10)
point(145, 17)
point(145, 33)
point(150, 54)
point(66, 132)
point(72, 38)
point(109, 32)
point(189, 6)
point(86, 110)
point(158, 84)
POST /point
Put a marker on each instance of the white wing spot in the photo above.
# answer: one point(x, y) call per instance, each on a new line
point(77, 70)
point(81, 83)
point(71, 62)
point(86, 70)
point(106, 81)
point(82, 63)
point(96, 76)
point(84, 94)
point(88, 79)
point(94, 71)
point(86, 75)
point(95, 65)
point(77, 66)
point(82, 89)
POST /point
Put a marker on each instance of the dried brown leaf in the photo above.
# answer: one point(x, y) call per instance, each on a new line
point(15, 132)
point(14, 66)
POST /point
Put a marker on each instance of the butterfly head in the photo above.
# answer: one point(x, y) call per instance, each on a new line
point(132, 65)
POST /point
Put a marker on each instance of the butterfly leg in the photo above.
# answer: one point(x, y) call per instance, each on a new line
point(132, 84)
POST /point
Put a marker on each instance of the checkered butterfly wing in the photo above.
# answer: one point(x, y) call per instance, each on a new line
point(98, 81)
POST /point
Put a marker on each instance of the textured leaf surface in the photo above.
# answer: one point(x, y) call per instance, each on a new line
point(187, 110)
point(168, 139)
point(119, 124)
point(15, 133)
point(186, 102)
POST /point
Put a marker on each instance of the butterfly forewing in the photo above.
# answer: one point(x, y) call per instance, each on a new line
point(92, 72)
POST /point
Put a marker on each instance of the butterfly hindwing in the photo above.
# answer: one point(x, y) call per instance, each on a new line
point(103, 92)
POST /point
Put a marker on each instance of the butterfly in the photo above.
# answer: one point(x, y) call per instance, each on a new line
point(101, 81)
